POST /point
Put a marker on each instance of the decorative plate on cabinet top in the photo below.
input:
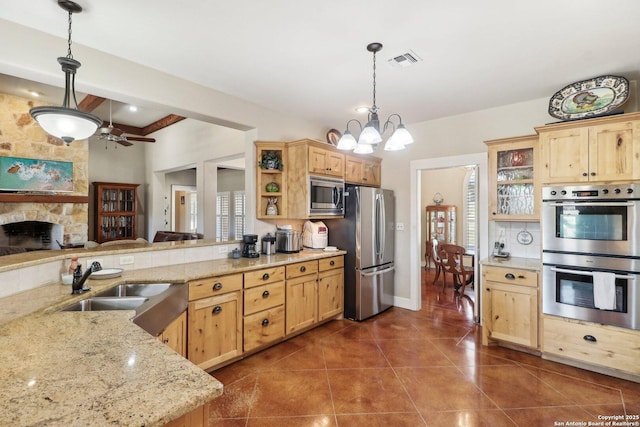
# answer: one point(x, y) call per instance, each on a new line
point(589, 98)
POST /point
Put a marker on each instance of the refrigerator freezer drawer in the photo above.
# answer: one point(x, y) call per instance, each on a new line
point(374, 292)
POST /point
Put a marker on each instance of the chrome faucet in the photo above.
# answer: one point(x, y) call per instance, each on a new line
point(77, 286)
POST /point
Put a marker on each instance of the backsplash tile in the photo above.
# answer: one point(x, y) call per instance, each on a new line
point(507, 232)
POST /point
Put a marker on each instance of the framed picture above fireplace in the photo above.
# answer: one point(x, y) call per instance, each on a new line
point(35, 175)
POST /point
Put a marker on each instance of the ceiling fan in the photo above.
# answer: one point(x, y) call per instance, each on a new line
point(114, 134)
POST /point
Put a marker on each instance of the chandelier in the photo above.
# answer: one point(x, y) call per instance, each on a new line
point(370, 135)
point(64, 122)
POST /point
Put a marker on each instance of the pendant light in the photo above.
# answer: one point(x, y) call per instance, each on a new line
point(66, 123)
point(370, 135)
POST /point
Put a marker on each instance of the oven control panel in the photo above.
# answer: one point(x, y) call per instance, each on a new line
point(592, 192)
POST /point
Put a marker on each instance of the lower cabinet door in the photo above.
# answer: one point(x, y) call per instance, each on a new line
point(263, 328)
point(301, 303)
point(330, 293)
point(215, 329)
point(175, 335)
point(510, 313)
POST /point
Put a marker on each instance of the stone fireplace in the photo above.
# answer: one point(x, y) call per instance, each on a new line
point(21, 136)
point(24, 222)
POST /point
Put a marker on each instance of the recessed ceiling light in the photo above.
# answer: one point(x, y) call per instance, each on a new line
point(133, 108)
point(362, 109)
point(34, 93)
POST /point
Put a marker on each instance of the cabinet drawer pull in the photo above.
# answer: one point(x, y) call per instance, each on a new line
point(217, 309)
point(265, 322)
point(590, 338)
point(165, 341)
point(265, 294)
point(593, 174)
point(265, 276)
point(509, 276)
point(584, 174)
point(332, 262)
point(488, 289)
point(217, 286)
point(303, 269)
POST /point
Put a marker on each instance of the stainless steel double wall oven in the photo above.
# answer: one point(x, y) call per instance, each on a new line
point(587, 229)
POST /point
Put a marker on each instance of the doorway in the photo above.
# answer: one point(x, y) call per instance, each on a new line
point(418, 167)
point(184, 214)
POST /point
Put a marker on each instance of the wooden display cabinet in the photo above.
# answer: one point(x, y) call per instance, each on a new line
point(514, 191)
point(116, 209)
point(441, 223)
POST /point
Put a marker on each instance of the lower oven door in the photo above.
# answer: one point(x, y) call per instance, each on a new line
point(569, 292)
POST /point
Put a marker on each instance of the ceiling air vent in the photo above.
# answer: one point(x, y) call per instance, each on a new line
point(404, 60)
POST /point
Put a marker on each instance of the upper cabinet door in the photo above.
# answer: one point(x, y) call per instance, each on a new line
point(611, 152)
point(565, 155)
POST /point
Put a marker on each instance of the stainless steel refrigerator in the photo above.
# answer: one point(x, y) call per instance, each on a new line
point(367, 234)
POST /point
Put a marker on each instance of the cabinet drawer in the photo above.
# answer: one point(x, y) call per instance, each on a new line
point(264, 276)
point(263, 327)
point(211, 286)
point(510, 275)
point(302, 269)
point(331, 263)
point(262, 297)
point(613, 347)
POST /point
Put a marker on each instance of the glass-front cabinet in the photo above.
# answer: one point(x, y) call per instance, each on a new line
point(115, 211)
point(441, 223)
point(514, 192)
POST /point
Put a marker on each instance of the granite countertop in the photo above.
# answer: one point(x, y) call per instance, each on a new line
point(514, 262)
point(99, 368)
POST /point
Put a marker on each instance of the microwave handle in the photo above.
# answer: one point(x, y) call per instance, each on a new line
point(592, 203)
point(588, 273)
point(335, 195)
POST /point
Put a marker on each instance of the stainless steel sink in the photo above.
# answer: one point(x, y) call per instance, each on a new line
point(156, 304)
point(135, 289)
point(107, 303)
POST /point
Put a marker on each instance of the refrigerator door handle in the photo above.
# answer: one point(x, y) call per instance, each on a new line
point(377, 273)
point(379, 226)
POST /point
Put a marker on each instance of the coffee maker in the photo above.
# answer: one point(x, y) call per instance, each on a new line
point(249, 248)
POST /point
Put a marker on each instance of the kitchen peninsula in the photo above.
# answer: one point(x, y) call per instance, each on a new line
point(98, 368)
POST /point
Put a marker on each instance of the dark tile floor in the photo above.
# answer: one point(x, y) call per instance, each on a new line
point(405, 368)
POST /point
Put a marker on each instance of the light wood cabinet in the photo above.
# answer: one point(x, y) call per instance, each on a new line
point(510, 306)
point(302, 306)
point(363, 170)
point(264, 317)
point(199, 417)
point(607, 346)
point(594, 150)
point(514, 190)
point(175, 335)
point(116, 210)
point(214, 320)
point(330, 287)
point(325, 162)
point(269, 179)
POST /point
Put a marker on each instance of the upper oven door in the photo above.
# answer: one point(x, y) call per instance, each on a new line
point(594, 227)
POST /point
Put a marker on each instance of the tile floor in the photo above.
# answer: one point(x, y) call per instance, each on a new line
point(405, 368)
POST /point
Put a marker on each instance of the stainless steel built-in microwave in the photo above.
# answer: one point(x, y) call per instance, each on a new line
point(326, 196)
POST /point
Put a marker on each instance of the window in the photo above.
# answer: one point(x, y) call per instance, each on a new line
point(470, 201)
point(230, 207)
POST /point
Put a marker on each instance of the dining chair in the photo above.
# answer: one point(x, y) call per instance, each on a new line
point(454, 256)
point(438, 262)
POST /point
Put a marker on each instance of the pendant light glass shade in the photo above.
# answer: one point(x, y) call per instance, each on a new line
point(363, 149)
point(347, 141)
point(369, 135)
point(68, 124)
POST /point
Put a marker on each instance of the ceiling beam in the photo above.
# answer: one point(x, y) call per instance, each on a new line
point(161, 124)
point(128, 129)
point(90, 103)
